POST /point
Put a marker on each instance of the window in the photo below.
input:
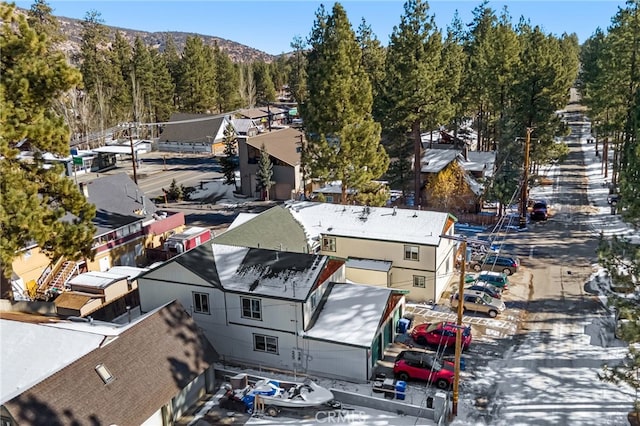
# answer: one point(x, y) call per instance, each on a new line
point(328, 243)
point(104, 373)
point(411, 252)
point(419, 281)
point(265, 343)
point(314, 300)
point(201, 303)
point(251, 308)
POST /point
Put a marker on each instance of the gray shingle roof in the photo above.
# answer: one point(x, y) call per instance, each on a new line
point(151, 362)
point(118, 202)
point(198, 128)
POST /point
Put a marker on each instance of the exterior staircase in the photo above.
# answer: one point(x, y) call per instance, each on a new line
point(54, 282)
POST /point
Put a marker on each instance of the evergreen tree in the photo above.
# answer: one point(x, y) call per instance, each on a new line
point(174, 66)
point(226, 81)
point(265, 90)
point(343, 140)
point(373, 57)
point(297, 74)
point(41, 19)
point(414, 91)
point(162, 95)
point(264, 175)
point(197, 88)
point(142, 81)
point(34, 199)
point(228, 161)
point(121, 63)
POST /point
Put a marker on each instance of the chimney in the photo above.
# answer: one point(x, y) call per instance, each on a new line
point(394, 210)
point(84, 188)
point(465, 152)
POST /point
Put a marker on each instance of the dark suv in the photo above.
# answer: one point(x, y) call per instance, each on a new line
point(503, 263)
point(539, 211)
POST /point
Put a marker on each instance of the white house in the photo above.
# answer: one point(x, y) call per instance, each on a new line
point(276, 309)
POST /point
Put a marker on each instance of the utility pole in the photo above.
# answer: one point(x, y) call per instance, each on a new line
point(525, 181)
point(458, 353)
point(133, 154)
point(460, 310)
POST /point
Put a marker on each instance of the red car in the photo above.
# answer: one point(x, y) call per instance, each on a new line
point(414, 364)
point(440, 334)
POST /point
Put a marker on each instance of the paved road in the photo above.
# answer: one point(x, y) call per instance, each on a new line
point(547, 373)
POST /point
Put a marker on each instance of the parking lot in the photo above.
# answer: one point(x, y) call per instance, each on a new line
point(491, 336)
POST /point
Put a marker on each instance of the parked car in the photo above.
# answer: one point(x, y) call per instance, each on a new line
point(422, 365)
point(502, 263)
point(485, 287)
point(539, 211)
point(440, 334)
point(479, 302)
point(613, 199)
point(498, 279)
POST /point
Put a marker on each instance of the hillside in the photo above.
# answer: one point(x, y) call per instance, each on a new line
point(72, 30)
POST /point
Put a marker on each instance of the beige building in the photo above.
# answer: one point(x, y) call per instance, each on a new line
point(387, 247)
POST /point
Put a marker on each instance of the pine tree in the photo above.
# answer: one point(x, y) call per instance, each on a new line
point(414, 89)
point(34, 199)
point(226, 81)
point(163, 94)
point(298, 74)
point(373, 57)
point(343, 140)
point(228, 161)
point(197, 88)
point(41, 19)
point(174, 66)
point(265, 90)
point(264, 174)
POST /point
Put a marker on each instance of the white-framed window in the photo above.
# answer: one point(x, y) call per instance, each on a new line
point(251, 308)
point(419, 281)
point(262, 343)
point(329, 243)
point(201, 303)
point(412, 253)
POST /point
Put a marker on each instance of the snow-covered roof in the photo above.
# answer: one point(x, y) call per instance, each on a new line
point(369, 264)
point(351, 314)
point(32, 352)
point(267, 272)
point(97, 279)
point(130, 272)
point(434, 160)
point(371, 223)
point(333, 188)
point(241, 218)
point(480, 161)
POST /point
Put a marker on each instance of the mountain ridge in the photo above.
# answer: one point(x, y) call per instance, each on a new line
point(71, 29)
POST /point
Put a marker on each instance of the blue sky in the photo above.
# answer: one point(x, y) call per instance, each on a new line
point(270, 26)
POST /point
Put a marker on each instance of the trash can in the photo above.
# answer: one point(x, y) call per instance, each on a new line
point(403, 325)
point(401, 388)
